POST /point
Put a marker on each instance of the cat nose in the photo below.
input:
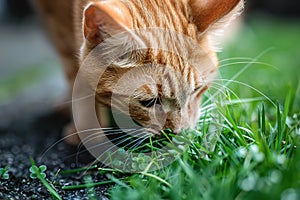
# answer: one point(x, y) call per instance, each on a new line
point(173, 124)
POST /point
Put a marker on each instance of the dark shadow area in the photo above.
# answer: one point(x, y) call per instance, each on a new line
point(275, 7)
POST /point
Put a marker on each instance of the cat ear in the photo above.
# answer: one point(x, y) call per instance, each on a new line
point(206, 13)
point(105, 18)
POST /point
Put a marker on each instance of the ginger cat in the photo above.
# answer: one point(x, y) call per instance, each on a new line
point(77, 27)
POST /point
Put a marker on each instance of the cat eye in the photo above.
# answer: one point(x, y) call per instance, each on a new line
point(150, 103)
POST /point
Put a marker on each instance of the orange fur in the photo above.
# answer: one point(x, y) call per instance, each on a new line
point(78, 26)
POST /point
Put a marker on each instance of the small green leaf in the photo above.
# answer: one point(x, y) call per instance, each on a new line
point(33, 169)
point(4, 173)
point(43, 168)
point(135, 158)
point(43, 175)
point(140, 160)
point(33, 176)
point(117, 163)
point(5, 176)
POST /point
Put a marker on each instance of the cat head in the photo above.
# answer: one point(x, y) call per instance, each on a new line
point(165, 60)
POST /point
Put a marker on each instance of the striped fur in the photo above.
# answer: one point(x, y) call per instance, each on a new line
point(180, 71)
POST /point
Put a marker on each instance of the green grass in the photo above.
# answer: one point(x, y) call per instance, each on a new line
point(252, 160)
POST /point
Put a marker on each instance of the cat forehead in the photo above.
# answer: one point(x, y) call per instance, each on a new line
point(169, 14)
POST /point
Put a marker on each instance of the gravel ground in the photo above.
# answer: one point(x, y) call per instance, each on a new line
point(30, 139)
point(31, 84)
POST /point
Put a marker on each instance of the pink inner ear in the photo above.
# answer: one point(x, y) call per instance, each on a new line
point(92, 17)
point(208, 12)
point(112, 17)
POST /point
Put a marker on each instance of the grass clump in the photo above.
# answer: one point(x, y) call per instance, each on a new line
point(248, 162)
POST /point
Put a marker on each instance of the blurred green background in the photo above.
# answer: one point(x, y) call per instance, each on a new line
point(266, 49)
point(271, 50)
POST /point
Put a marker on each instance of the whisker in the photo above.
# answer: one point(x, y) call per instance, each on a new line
point(137, 144)
point(115, 139)
point(100, 129)
point(124, 146)
point(252, 62)
point(91, 137)
point(206, 103)
point(128, 146)
point(227, 89)
point(49, 148)
point(104, 143)
point(134, 147)
point(223, 92)
point(108, 132)
point(253, 88)
point(74, 134)
point(74, 100)
point(211, 107)
point(57, 142)
point(112, 131)
point(235, 58)
point(241, 71)
point(80, 146)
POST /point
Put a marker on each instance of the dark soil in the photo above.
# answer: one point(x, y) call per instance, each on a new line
point(31, 138)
